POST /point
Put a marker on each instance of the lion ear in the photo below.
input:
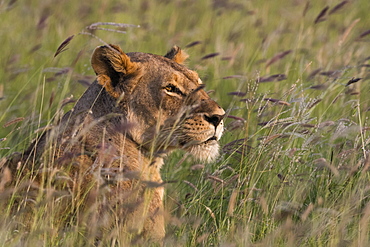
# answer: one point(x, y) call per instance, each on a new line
point(177, 55)
point(110, 60)
point(109, 63)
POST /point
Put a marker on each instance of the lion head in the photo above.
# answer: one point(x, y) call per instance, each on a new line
point(162, 99)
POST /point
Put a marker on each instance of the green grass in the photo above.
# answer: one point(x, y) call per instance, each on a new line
point(299, 173)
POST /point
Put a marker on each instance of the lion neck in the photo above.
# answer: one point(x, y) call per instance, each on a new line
point(131, 155)
point(136, 156)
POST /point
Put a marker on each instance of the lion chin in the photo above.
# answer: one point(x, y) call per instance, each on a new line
point(205, 152)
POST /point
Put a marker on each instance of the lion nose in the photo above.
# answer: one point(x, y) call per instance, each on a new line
point(214, 119)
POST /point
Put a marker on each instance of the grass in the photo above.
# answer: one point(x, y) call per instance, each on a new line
point(294, 164)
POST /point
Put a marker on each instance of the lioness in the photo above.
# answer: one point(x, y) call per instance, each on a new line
point(141, 107)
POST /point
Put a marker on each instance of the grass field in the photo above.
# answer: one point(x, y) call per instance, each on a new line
point(292, 75)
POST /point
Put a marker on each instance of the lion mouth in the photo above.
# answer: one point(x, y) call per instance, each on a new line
point(198, 143)
point(213, 138)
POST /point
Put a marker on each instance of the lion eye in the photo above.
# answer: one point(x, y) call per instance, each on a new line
point(173, 89)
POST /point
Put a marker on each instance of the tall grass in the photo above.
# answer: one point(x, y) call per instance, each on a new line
point(294, 164)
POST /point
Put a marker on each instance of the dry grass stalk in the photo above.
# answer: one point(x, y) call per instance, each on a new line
point(62, 47)
point(322, 15)
point(277, 57)
point(338, 7)
point(14, 121)
point(347, 32)
point(211, 55)
point(232, 202)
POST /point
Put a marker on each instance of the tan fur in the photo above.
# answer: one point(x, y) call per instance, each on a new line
point(141, 107)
